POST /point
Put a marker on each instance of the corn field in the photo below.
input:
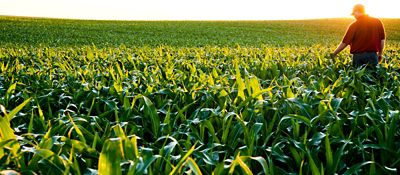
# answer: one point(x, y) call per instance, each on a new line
point(211, 109)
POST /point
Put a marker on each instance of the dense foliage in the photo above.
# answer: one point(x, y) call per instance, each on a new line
point(36, 32)
point(167, 109)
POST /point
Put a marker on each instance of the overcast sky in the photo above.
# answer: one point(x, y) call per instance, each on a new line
point(195, 10)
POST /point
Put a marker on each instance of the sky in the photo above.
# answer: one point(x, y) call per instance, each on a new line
point(196, 10)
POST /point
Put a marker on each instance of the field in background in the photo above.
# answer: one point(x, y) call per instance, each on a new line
point(237, 97)
point(34, 31)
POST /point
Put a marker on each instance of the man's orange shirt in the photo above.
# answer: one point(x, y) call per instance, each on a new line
point(365, 35)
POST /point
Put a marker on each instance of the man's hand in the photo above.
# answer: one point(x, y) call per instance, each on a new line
point(339, 49)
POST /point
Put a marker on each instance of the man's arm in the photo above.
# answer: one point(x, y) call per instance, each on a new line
point(339, 49)
point(347, 39)
point(382, 36)
point(380, 52)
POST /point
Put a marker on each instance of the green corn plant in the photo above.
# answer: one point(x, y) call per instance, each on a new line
point(256, 103)
point(7, 135)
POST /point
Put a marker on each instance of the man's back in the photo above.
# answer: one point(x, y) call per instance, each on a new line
point(365, 35)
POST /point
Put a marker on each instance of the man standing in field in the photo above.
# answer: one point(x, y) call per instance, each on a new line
point(366, 37)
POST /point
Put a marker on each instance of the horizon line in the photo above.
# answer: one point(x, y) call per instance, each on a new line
point(89, 19)
point(189, 20)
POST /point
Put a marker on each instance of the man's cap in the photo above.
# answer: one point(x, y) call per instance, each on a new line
point(358, 8)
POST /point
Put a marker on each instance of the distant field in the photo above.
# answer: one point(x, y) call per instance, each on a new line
point(56, 32)
point(221, 97)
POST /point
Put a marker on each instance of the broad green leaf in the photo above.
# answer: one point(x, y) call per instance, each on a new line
point(297, 117)
point(356, 168)
point(328, 154)
point(243, 165)
point(255, 87)
point(6, 132)
point(10, 90)
point(14, 112)
point(38, 155)
point(240, 84)
point(151, 112)
point(260, 160)
point(90, 55)
point(313, 166)
point(372, 168)
point(78, 131)
point(144, 164)
point(193, 166)
point(135, 147)
point(289, 93)
point(222, 93)
point(110, 158)
point(178, 167)
point(338, 155)
point(238, 161)
point(295, 155)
